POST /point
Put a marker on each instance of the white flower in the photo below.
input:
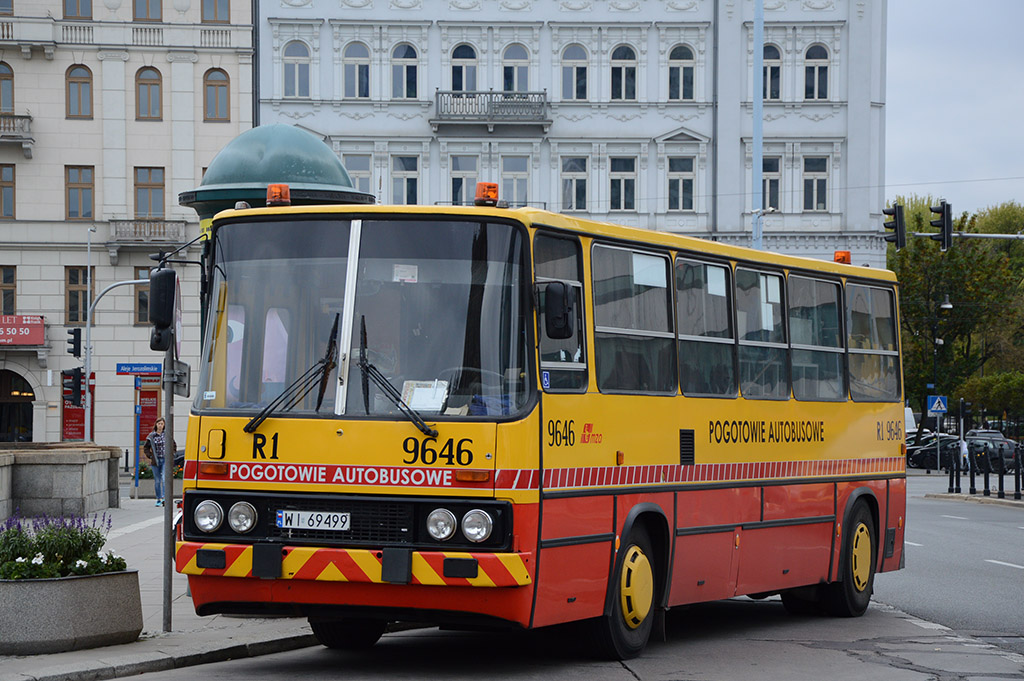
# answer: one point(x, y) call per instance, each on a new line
point(81, 563)
point(38, 560)
point(19, 559)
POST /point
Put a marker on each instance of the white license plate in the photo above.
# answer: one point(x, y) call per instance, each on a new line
point(313, 520)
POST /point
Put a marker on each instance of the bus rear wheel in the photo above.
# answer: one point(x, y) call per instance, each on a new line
point(348, 634)
point(850, 596)
point(624, 631)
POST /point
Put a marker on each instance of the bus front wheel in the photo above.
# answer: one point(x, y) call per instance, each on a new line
point(850, 596)
point(347, 634)
point(625, 629)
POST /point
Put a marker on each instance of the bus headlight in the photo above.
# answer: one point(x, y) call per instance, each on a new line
point(208, 516)
point(441, 524)
point(477, 525)
point(242, 517)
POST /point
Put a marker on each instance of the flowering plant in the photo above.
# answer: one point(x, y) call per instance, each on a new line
point(146, 472)
point(44, 547)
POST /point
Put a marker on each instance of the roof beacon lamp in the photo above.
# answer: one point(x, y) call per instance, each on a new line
point(278, 195)
point(486, 194)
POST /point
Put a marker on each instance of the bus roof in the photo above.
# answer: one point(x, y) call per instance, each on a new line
point(537, 217)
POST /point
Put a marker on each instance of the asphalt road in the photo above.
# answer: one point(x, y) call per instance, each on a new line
point(965, 565)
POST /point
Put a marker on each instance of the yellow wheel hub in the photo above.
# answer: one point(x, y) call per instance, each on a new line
point(637, 587)
point(861, 557)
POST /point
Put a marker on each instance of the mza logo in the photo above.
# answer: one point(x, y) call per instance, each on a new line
point(588, 436)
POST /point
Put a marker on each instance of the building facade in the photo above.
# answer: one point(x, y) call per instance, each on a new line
point(108, 109)
point(637, 112)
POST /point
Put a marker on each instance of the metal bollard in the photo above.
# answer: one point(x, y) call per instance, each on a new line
point(952, 465)
point(973, 461)
point(1002, 471)
point(1016, 474)
point(986, 468)
point(956, 487)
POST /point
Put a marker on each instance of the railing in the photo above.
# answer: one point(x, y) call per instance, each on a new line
point(44, 32)
point(77, 33)
point(15, 125)
point(147, 230)
point(492, 107)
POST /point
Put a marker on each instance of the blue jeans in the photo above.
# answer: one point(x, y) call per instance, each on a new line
point(158, 477)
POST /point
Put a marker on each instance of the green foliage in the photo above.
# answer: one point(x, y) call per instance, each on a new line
point(45, 547)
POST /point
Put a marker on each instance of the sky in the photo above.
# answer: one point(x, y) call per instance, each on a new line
point(954, 108)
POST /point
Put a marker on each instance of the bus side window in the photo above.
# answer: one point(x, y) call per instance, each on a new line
point(817, 345)
point(762, 335)
point(874, 358)
point(707, 342)
point(563, 362)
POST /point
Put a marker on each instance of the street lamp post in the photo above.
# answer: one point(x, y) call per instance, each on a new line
point(88, 334)
point(936, 344)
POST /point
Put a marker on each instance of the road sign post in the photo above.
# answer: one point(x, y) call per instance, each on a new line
point(937, 407)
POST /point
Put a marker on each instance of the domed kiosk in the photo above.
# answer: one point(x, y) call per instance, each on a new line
point(272, 154)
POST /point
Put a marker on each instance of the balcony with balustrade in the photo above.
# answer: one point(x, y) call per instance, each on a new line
point(16, 129)
point(490, 108)
point(155, 234)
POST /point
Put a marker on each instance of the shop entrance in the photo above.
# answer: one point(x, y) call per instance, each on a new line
point(16, 397)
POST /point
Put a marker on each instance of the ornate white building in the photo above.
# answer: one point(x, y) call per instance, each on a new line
point(632, 111)
point(108, 109)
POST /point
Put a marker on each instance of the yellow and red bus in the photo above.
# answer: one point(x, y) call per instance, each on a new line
point(471, 415)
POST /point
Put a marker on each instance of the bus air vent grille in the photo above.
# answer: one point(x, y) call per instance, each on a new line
point(686, 448)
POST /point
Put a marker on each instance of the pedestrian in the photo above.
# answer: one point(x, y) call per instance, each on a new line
point(155, 449)
point(964, 458)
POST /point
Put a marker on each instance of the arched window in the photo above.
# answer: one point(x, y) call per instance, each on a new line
point(772, 83)
point(6, 88)
point(356, 69)
point(463, 68)
point(623, 74)
point(403, 72)
point(515, 68)
point(574, 73)
point(79, 92)
point(680, 73)
point(215, 96)
point(148, 97)
point(296, 69)
point(816, 73)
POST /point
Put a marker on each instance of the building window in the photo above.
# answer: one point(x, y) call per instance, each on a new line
point(771, 176)
point(79, 92)
point(148, 96)
point(816, 183)
point(141, 297)
point(463, 180)
point(403, 72)
point(680, 183)
point(356, 69)
point(78, 9)
point(574, 73)
point(216, 12)
point(816, 73)
point(76, 295)
point(8, 289)
point(463, 68)
point(515, 177)
point(147, 10)
point(6, 7)
point(623, 184)
point(515, 69)
point(149, 193)
point(80, 186)
point(296, 69)
point(771, 86)
point(6, 89)
point(574, 183)
point(7, 190)
point(680, 73)
point(358, 167)
point(404, 180)
point(215, 96)
point(624, 74)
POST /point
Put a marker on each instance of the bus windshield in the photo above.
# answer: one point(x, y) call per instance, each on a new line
point(435, 307)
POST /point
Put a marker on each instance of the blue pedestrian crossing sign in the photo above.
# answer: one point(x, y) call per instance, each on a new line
point(937, 404)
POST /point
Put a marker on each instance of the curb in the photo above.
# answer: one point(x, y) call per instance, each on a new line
point(978, 499)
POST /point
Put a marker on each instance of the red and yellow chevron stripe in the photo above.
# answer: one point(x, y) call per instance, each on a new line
point(360, 565)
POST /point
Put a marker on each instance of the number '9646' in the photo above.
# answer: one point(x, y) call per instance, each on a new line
point(426, 451)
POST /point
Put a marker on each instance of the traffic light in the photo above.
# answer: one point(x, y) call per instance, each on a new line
point(899, 234)
point(71, 380)
point(75, 342)
point(944, 222)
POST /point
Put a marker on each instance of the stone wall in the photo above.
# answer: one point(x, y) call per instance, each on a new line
point(57, 479)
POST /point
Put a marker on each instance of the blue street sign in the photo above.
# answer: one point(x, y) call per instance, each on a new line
point(139, 369)
point(937, 404)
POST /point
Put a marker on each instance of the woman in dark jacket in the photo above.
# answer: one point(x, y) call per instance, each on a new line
point(156, 450)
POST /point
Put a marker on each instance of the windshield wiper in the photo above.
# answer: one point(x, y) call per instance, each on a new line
point(370, 372)
point(301, 386)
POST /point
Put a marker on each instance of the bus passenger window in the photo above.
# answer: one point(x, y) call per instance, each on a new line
point(874, 358)
point(817, 346)
point(763, 349)
point(563, 362)
point(275, 354)
point(707, 344)
point(634, 339)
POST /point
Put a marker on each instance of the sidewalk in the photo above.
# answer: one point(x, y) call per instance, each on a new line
point(136, 535)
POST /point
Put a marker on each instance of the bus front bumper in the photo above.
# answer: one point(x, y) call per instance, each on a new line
point(384, 566)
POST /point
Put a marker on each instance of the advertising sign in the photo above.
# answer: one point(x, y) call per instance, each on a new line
point(20, 329)
point(72, 418)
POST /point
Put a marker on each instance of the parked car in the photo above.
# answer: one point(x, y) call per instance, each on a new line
point(922, 454)
point(988, 446)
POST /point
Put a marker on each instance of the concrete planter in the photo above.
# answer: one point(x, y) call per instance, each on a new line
point(69, 613)
point(147, 490)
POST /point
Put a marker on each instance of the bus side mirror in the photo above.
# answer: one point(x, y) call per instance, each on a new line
point(559, 309)
point(161, 307)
